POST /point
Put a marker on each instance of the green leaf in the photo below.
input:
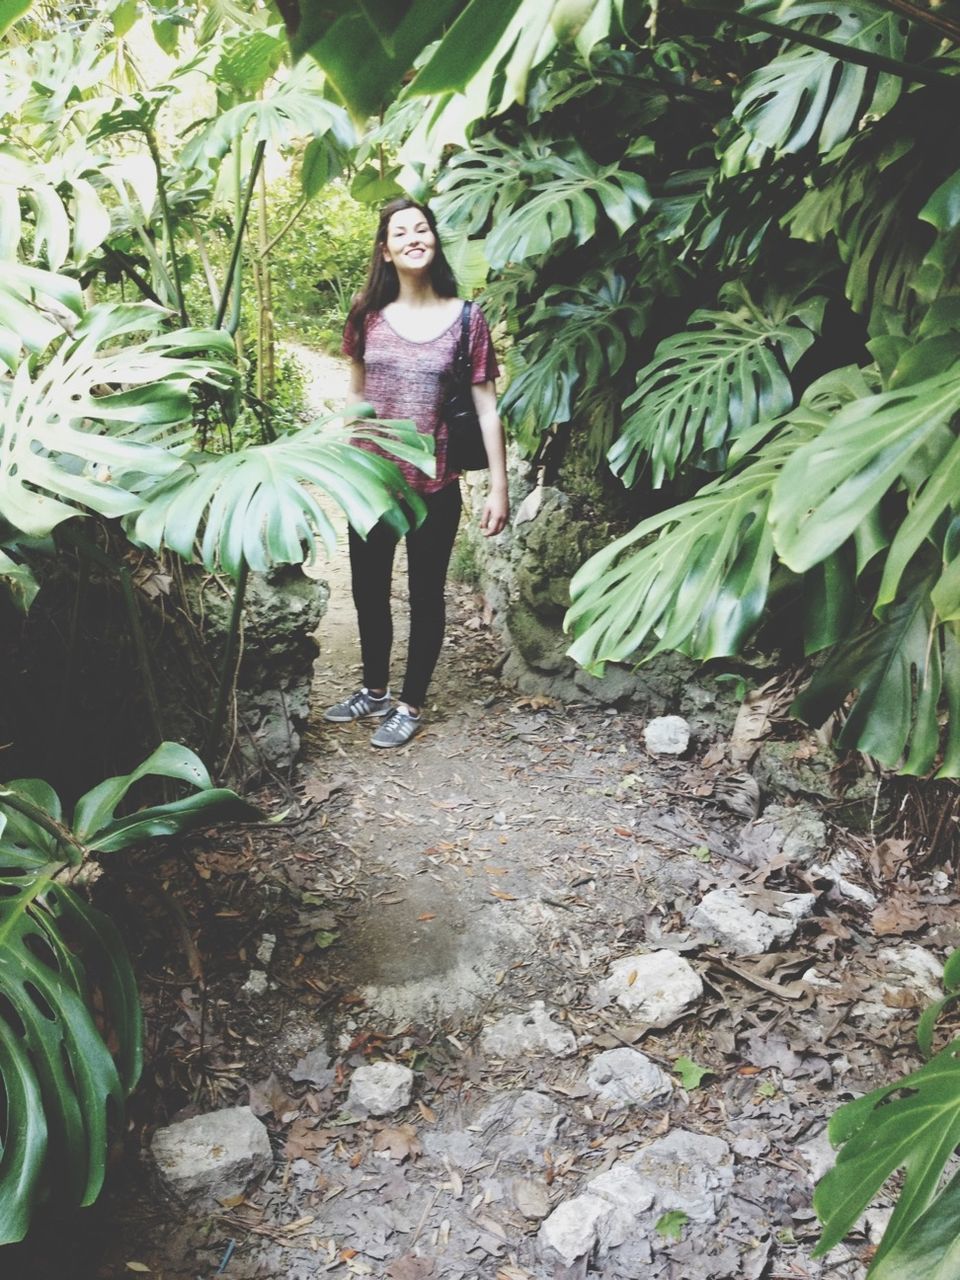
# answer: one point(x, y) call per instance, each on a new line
point(805, 95)
point(578, 340)
point(260, 506)
point(912, 1124)
point(366, 53)
point(369, 186)
point(18, 581)
point(930, 1248)
point(471, 39)
point(91, 425)
point(834, 482)
point(670, 1225)
point(67, 989)
point(10, 11)
point(697, 574)
point(728, 371)
point(903, 668)
point(690, 1072)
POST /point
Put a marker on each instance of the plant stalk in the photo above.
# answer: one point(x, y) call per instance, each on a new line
point(227, 672)
point(73, 850)
point(238, 233)
point(167, 223)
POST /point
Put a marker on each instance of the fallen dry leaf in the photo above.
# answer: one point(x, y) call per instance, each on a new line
point(398, 1142)
point(504, 897)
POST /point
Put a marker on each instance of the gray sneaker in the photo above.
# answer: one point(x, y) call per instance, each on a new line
point(399, 727)
point(358, 706)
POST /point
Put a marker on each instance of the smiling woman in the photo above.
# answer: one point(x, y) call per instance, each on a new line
point(402, 338)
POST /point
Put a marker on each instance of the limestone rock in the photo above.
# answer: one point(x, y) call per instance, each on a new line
point(796, 832)
point(912, 966)
point(623, 1187)
point(732, 918)
point(571, 1231)
point(666, 736)
point(692, 1172)
point(314, 1068)
point(531, 1032)
point(379, 1089)
point(656, 988)
point(627, 1078)
point(256, 985)
point(519, 1127)
point(531, 1198)
point(214, 1156)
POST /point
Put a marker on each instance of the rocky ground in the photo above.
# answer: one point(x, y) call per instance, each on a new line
point(530, 999)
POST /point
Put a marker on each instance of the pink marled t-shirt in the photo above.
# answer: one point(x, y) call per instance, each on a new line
point(405, 379)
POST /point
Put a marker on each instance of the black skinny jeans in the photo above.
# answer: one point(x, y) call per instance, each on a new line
point(371, 569)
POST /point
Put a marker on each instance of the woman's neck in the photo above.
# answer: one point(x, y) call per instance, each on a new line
point(416, 290)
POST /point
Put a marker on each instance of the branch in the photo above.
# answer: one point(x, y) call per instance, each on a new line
point(943, 26)
point(909, 71)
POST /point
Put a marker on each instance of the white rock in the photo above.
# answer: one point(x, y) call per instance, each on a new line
point(379, 1089)
point(833, 871)
point(531, 1198)
point(531, 1032)
point(314, 1067)
point(211, 1157)
point(666, 735)
point(691, 1172)
point(627, 1078)
point(731, 918)
point(623, 1187)
point(268, 944)
point(818, 1152)
point(571, 1231)
point(913, 966)
point(656, 987)
point(256, 984)
point(795, 831)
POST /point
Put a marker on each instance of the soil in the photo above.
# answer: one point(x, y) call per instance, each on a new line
point(511, 853)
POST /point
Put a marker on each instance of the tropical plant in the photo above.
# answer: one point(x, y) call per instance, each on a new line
point(70, 1021)
point(912, 1124)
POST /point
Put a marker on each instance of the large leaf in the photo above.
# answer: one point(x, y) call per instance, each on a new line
point(807, 96)
point(868, 203)
point(913, 1125)
point(905, 671)
point(67, 989)
point(563, 207)
point(66, 224)
point(297, 109)
point(728, 371)
point(696, 576)
point(260, 506)
point(837, 481)
point(95, 422)
point(578, 341)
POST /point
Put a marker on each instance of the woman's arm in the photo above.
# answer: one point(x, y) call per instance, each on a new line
point(496, 509)
point(356, 379)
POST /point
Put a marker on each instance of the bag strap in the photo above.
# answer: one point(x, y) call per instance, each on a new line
point(462, 355)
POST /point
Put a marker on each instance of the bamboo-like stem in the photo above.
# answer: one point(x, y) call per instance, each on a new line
point(266, 359)
point(227, 672)
point(167, 223)
point(238, 232)
point(272, 244)
point(206, 264)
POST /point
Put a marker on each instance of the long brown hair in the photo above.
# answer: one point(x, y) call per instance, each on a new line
point(383, 283)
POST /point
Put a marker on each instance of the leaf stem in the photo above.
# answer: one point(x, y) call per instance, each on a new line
point(167, 222)
point(238, 232)
point(227, 673)
point(73, 850)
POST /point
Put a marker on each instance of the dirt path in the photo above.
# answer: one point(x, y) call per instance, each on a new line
point(512, 854)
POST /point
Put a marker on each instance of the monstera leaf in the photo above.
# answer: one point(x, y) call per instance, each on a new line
point(579, 340)
point(259, 507)
point(905, 669)
point(297, 109)
point(806, 95)
point(835, 482)
point(70, 1023)
point(96, 421)
point(728, 371)
point(696, 576)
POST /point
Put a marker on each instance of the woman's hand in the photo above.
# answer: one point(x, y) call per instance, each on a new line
point(496, 512)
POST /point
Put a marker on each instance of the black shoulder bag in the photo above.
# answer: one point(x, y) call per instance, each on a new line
point(465, 447)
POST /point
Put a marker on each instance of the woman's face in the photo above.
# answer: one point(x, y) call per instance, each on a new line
point(410, 244)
